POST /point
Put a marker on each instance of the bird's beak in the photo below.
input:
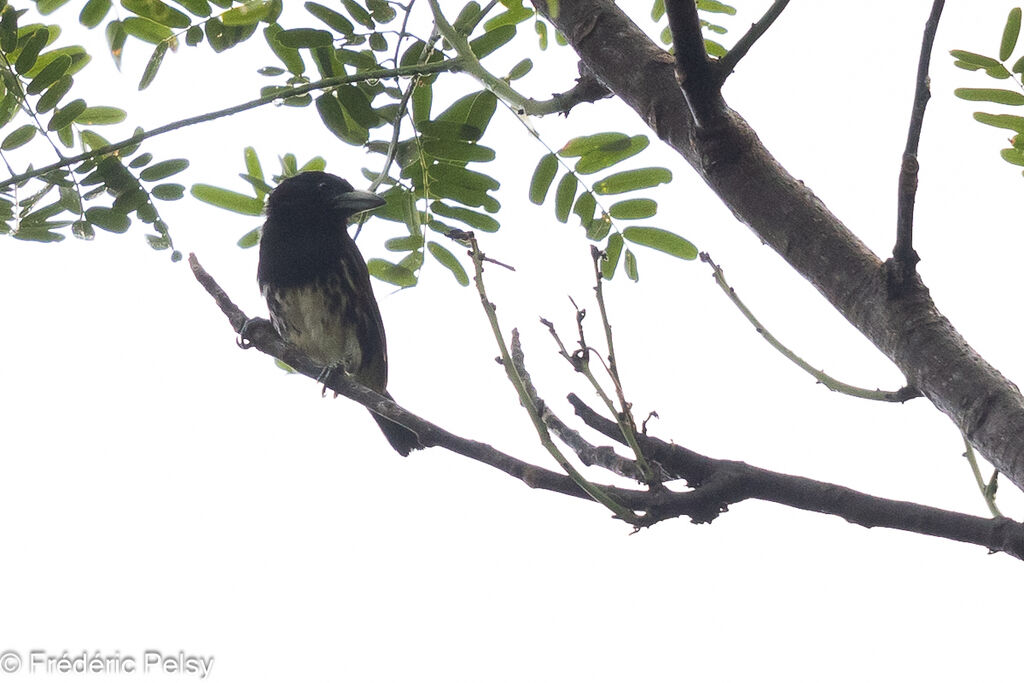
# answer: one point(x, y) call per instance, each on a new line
point(358, 201)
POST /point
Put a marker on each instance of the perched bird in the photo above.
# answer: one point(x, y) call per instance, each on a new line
point(317, 287)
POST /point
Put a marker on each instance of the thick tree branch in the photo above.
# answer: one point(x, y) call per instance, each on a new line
point(903, 253)
point(693, 68)
point(734, 481)
point(717, 483)
point(787, 216)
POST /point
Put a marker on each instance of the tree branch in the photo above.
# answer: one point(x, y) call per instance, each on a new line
point(733, 481)
point(903, 253)
point(787, 216)
point(727, 64)
point(693, 68)
point(717, 483)
point(901, 395)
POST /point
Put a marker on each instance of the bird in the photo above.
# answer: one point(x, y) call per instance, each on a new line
point(317, 286)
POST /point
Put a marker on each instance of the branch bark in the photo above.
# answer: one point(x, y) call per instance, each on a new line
point(716, 483)
point(786, 215)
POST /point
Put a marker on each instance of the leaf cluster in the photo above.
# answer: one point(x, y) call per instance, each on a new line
point(1001, 69)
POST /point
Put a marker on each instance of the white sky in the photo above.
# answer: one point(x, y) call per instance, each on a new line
point(162, 490)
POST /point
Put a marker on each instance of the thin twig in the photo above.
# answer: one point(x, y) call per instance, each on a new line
point(721, 482)
point(903, 253)
point(987, 489)
point(525, 399)
point(900, 396)
point(725, 66)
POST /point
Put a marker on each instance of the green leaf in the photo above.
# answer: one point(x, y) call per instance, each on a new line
point(249, 14)
point(142, 160)
point(194, 35)
point(406, 243)
point(18, 137)
point(521, 69)
point(638, 179)
point(391, 273)
point(358, 13)
point(146, 30)
point(52, 97)
point(662, 240)
point(153, 65)
point(163, 169)
point(8, 29)
point(116, 38)
point(1013, 156)
point(289, 56)
point(542, 177)
point(584, 208)
point(93, 12)
point(612, 252)
point(1010, 34)
point(101, 116)
point(611, 154)
point(49, 75)
point(249, 239)
point(108, 219)
point(45, 7)
point(337, 122)
point(474, 110)
point(1008, 121)
point(200, 8)
point(564, 194)
point(158, 12)
point(630, 209)
point(336, 21)
point(598, 228)
point(168, 192)
point(27, 58)
point(304, 37)
point(972, 61)
point(448, 260)
point(93, 141)
point(631, 272)
point(492, 40)
point(474, 219)
point(66, 115)
point(990, 95)
point(542, 34)
point(579, 146)
point(715, 6)
point(714, 49)
point(457, 150)
point(227, 199)
point(357, 106)
point(514, 15)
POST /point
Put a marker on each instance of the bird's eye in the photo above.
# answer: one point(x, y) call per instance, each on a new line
point(321, 186)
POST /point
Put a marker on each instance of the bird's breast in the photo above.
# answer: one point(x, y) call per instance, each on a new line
point(315, 318)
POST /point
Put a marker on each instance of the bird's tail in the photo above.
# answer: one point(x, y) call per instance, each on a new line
point(401, 438)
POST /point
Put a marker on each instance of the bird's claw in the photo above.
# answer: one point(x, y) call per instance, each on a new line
point(243, 341)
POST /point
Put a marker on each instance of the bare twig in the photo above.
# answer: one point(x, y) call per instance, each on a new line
point(725, 66)
point(903, 253)
point(899, 396)
point(988, 490)
point(719, 483)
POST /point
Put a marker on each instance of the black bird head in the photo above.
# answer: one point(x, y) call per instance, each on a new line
point(320, 195)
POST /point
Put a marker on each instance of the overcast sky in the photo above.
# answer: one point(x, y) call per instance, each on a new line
point(162, 490)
